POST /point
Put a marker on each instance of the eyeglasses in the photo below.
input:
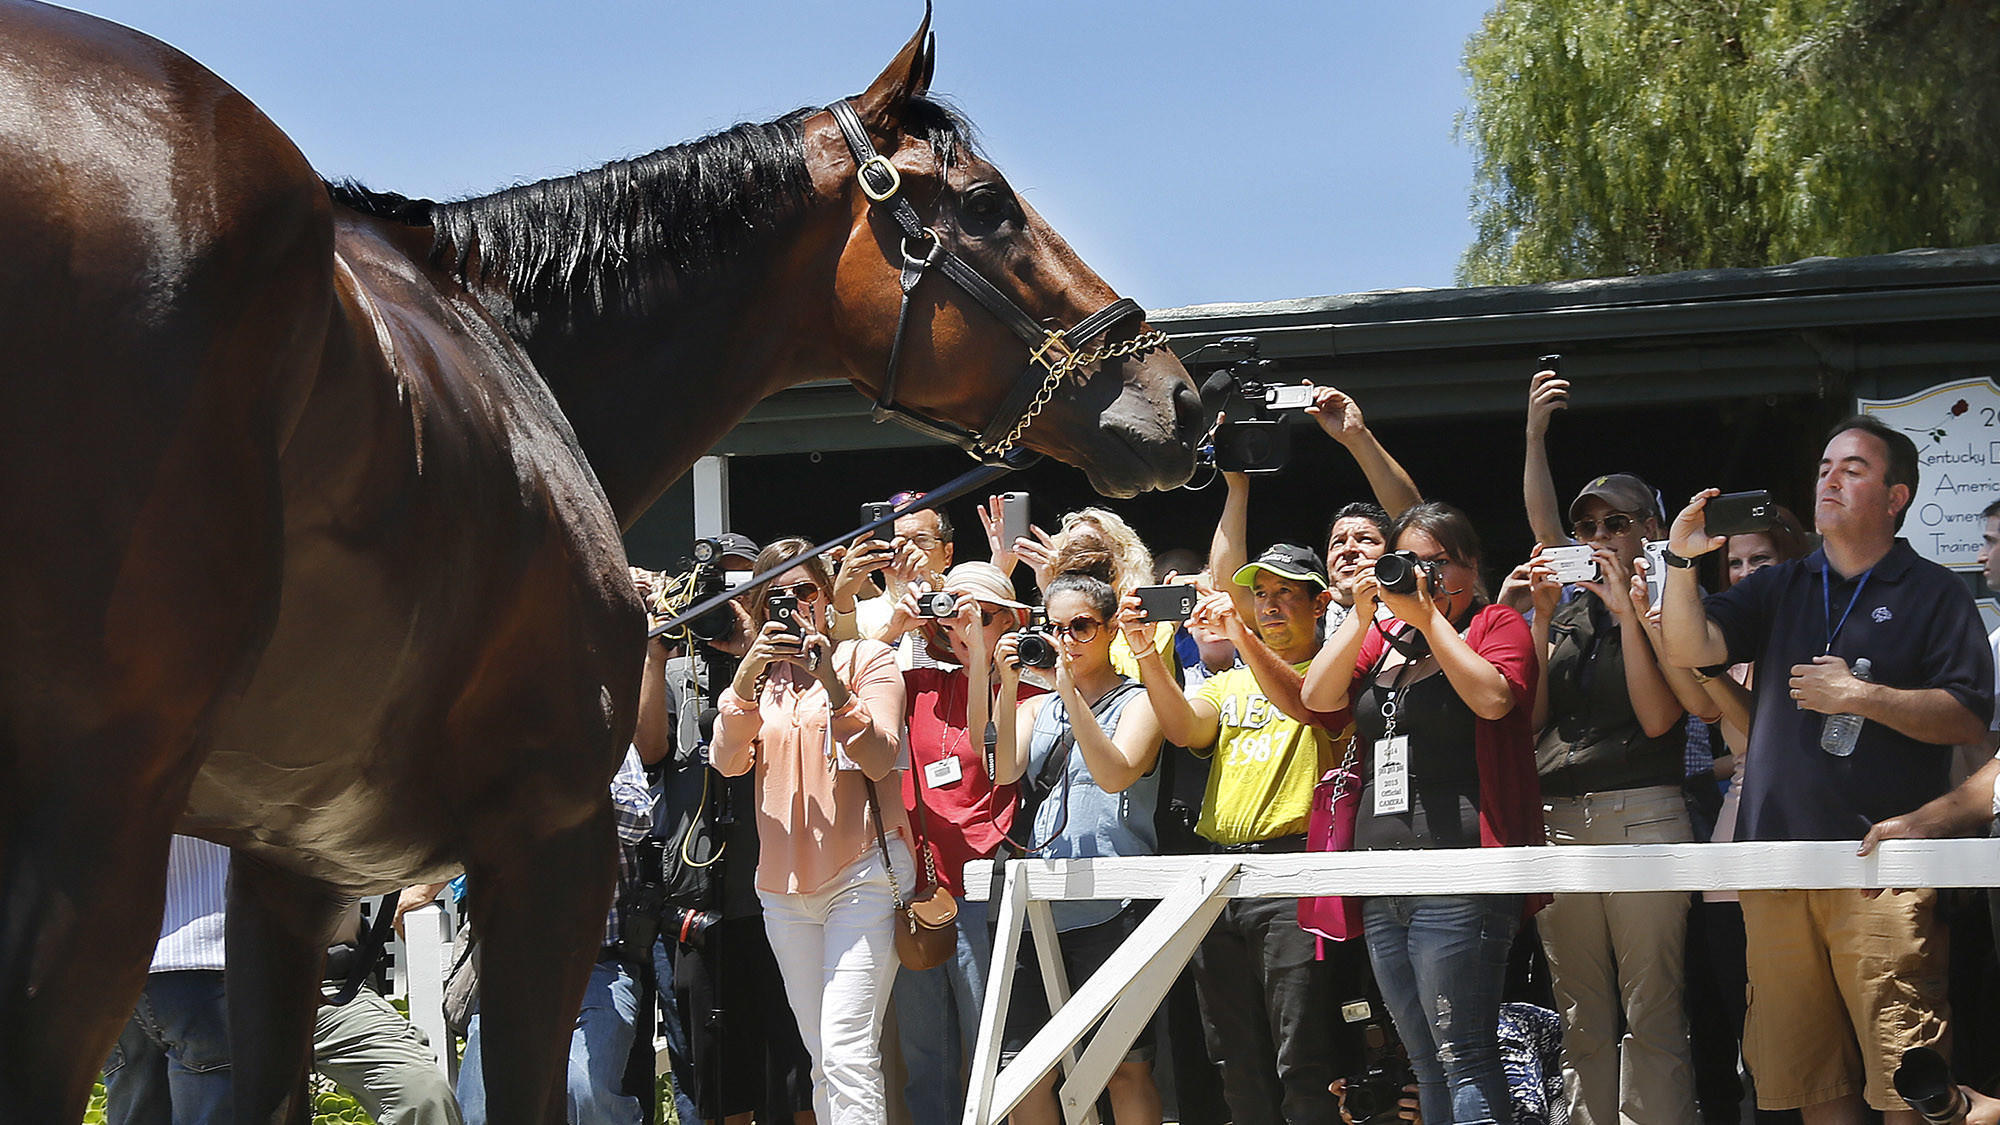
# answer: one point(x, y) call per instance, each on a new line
point(803, 591)
point(902, 498)
point(924, 540)
point(1080, 630)
point(1617, 523)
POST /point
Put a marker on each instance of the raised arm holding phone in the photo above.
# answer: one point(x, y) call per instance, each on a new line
point(1864, 593)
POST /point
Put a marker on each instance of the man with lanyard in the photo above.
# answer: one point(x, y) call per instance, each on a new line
point(1841, 983)
point(1267, 1004)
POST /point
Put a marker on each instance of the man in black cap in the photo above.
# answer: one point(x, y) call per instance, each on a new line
point(1267, 1007)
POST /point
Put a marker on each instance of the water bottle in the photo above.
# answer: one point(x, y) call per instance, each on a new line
point(1840, 732)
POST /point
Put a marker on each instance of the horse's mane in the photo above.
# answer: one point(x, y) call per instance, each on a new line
point(629, 237)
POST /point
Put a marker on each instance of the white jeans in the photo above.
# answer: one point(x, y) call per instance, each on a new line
point(836, 949)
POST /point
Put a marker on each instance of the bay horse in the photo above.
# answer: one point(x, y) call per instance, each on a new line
point(312, 501)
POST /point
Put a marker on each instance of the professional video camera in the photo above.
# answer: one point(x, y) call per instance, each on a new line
point(1255, 436)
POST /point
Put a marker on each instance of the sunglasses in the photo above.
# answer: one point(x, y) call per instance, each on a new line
point(1617, 523)
point(1081, 629)
point(803, 591)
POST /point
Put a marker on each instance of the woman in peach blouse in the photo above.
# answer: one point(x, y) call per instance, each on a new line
point(818, 722)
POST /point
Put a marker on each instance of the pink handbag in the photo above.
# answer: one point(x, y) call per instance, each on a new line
point(1336, 801)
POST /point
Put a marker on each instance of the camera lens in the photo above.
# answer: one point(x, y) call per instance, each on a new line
point(1396, 572)
point(1037, 650)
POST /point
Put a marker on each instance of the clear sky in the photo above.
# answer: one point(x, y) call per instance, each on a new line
point(1192, 152)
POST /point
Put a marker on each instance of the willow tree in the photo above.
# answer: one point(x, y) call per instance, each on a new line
point(1640, 136)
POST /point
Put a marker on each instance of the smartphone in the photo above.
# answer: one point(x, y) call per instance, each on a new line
point(1166, 603)
point(1739, 513)
point(784, 609)
point(1551, 363)
point(1290, 396)
point(1013, 518)
point(1656, 572)
point(872, 512)
point(1572, 564)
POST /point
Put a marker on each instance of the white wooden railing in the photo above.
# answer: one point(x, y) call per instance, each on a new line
point(1192, 891)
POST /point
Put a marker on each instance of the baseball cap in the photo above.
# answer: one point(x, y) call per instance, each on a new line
point(736, 546)
point(1623, 491)
point(1286, 560)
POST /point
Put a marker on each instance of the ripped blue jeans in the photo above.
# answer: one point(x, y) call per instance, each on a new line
point(1441, 962)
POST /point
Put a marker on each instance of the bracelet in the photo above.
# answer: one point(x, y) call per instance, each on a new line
point(1676, 561)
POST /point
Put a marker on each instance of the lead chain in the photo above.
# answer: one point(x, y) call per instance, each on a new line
point(1062, 366)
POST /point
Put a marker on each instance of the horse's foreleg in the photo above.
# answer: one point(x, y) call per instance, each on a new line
point(81, 892)
point(278, 928)
point(538, 908)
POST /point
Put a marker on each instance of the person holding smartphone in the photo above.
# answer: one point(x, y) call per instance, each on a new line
point(820, 725)
point(1441, 699)
point(1611, 756)
point(1089, 750)
point(960, 814)
point(1841, 984)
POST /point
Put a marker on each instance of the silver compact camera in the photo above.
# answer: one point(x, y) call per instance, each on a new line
point(937, 603)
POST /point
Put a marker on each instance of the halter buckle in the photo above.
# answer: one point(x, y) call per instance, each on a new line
point(878, 161)
point(1054, 340)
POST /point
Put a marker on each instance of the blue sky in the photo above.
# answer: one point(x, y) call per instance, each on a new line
point(1191, 152)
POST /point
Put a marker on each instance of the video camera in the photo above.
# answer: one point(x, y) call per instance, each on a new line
point(1255, 436)
point(718, 624)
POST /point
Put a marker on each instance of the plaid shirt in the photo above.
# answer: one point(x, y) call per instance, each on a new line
point(632, 811)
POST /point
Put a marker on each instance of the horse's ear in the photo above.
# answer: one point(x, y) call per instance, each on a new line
point(907, 76)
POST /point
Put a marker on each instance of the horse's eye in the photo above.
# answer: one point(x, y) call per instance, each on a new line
point(987, 205)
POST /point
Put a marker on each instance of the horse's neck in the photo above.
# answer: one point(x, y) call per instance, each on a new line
point(647, 398)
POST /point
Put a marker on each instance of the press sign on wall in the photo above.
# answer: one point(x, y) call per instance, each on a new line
point(1957, 430)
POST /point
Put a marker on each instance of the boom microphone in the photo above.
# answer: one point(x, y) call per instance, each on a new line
point(1215, 392)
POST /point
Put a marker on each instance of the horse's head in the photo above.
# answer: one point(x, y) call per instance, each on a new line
point(1007, 339)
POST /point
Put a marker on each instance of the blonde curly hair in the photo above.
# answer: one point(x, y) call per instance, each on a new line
point(1103, 532)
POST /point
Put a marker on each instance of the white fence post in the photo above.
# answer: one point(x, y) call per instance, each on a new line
point(426, 945)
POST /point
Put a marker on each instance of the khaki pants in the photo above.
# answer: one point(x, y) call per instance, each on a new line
point(1620, 958)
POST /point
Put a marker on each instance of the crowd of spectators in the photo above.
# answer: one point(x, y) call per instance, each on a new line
point(830, 750)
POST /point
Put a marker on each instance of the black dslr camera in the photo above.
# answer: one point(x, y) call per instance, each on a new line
point(1037, 648)
point(1396, 572)
point(1255, 436)
point(1372, 1096)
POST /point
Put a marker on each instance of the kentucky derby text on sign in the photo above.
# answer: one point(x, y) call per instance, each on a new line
point(1957, 430)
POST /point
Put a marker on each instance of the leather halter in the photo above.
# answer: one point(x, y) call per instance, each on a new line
point(1051, 352)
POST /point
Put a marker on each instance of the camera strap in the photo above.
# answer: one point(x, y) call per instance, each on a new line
point(1055, 768)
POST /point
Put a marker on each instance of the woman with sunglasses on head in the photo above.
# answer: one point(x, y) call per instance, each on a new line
point(821, 725)
point(1089, 750)
point(959, 815)
point(1441, 698)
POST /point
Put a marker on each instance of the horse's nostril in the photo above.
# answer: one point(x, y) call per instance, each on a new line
point(1190, 420)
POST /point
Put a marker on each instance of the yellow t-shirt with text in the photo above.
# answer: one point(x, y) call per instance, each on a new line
point(1260, 785)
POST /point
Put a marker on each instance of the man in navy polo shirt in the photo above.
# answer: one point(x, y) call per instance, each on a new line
point(1840, 984)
